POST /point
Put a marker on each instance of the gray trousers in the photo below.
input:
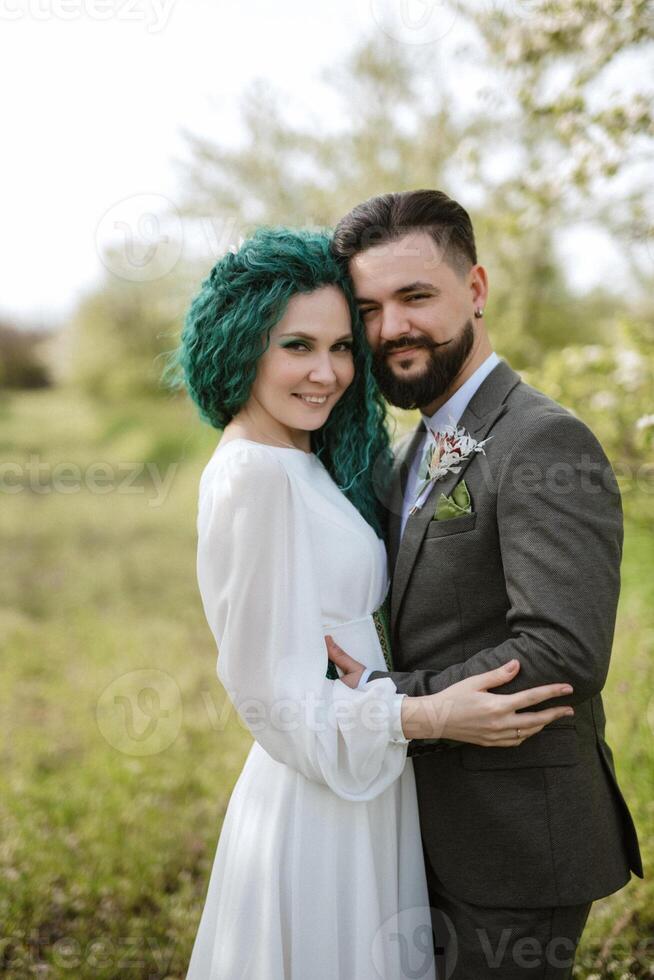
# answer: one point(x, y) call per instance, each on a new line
point(476, 943)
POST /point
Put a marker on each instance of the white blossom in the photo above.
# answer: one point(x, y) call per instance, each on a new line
point(629, 368)
point(603, 400)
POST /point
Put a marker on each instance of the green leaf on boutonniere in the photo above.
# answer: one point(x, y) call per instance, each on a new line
point(455, 506)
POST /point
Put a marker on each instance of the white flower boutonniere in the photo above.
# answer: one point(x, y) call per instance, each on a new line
point(445, 452)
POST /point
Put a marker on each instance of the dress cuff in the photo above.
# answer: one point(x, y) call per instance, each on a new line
point(396, 731)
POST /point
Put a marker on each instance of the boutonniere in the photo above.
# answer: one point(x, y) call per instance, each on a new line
point(445, 452)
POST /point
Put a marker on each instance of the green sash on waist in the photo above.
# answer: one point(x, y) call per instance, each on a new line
point(382, 620)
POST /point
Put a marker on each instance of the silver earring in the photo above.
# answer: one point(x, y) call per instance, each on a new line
point(479, 312)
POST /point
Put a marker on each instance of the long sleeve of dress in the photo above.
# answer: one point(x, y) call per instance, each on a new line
point(257, 578)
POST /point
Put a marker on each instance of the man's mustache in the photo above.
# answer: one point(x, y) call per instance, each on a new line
point(407, 342)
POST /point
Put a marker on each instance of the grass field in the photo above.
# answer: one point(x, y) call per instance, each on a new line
point(118, 750)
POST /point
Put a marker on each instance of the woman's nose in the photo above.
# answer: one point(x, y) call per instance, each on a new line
point(322, 371)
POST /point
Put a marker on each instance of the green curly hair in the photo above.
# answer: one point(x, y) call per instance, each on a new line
point(244, 296)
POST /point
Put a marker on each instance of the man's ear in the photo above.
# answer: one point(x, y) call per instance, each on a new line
point(478, 285)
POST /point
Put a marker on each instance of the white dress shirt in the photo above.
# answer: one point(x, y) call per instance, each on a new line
point(449, 413)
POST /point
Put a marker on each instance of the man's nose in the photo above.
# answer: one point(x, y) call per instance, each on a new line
point(395, 324)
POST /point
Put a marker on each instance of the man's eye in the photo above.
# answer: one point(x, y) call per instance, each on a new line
point(419, 296)
point(365, 312)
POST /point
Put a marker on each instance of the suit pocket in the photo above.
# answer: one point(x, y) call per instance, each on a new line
point(455, 525)
point(558, 747)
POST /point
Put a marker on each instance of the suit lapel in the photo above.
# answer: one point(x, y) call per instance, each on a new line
point(484, 409)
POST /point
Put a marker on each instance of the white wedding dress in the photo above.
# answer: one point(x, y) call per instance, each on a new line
point(319, 871)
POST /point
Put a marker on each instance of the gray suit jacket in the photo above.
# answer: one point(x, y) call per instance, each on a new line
point(532, 573)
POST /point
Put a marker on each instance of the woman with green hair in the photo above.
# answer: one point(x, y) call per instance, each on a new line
point(319, 871)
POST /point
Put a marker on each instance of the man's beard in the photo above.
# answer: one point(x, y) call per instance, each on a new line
point(445, 362)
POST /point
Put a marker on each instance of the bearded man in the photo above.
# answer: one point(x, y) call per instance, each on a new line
point(504, 541)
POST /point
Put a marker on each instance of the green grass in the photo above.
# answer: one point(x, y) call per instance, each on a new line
point(117, 760)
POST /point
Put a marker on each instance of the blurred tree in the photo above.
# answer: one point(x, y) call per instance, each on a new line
point(576, 96)
point(23, 362)
point(568, 59)
point(395, 133)
point(577, 103)
point(401, 128)
point(124, 327)
point(611, 388)
point(401, 125)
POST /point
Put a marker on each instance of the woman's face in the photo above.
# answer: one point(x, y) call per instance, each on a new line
point(308, 364)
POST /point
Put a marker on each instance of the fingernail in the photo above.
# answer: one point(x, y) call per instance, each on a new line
point(512, 664)
point(570, 712)
point(566, 689)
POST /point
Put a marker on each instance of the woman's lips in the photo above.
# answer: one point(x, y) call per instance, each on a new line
point(315, 400)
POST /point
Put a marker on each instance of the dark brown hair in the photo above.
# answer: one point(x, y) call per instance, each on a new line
point(388, 217)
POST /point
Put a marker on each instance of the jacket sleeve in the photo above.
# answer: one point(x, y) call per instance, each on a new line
point(259, 589)
point(559, 520)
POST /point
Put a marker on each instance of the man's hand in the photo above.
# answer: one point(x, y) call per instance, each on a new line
point(351, 668)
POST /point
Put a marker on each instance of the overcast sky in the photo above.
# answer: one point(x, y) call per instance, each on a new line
point(95, 92)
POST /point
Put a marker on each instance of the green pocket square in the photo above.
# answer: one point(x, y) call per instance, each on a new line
point(455, 506)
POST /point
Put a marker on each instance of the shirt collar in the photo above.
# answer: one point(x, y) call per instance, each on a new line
point(455, 406)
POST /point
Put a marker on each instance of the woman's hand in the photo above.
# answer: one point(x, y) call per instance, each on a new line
point(351, 668)
point(467, 712)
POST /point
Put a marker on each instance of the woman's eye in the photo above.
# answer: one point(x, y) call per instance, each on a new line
point(346, 345)
point(296, 345)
